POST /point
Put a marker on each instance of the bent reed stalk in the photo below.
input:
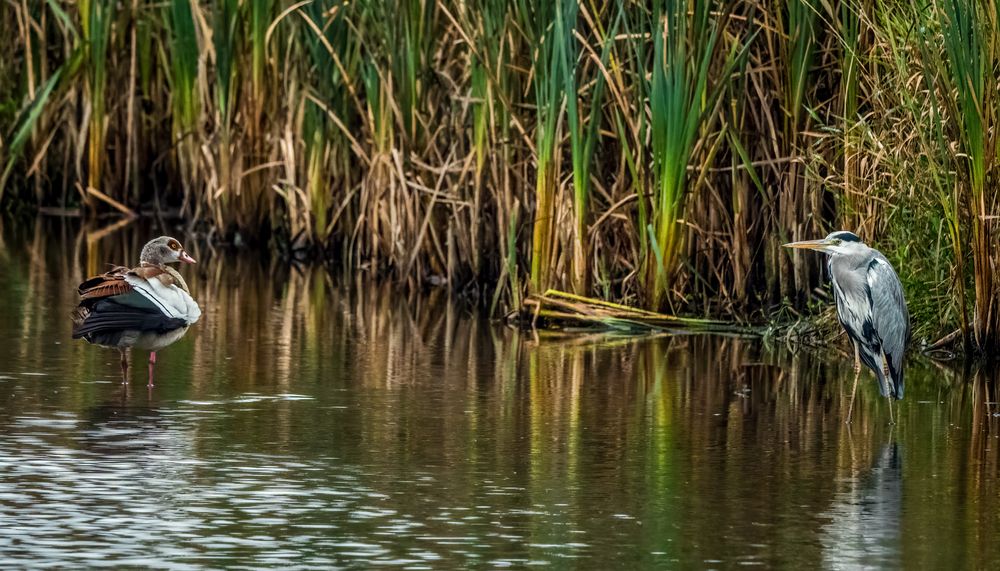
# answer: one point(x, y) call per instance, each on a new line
point(655, 154)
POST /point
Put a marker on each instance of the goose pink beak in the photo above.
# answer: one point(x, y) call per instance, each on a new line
point(186, 258)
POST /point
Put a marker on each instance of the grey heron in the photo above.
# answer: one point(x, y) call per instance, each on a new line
point(870, 306)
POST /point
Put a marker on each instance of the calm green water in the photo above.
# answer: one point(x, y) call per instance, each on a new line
point(310, 423)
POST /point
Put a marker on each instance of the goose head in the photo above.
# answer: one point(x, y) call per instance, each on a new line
point(164, 250)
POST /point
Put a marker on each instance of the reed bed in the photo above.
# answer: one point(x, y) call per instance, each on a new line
point(651, 153)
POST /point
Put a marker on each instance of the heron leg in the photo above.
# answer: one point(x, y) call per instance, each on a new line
point(888, 387)
point(854, 387)
point(886, 376)
point(124, 353)
point(152, 362)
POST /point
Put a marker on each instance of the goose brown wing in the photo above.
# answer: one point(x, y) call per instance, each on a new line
point(120, 284)
point(108, 284)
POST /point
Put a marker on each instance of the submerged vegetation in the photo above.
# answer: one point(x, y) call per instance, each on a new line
point(653, 153)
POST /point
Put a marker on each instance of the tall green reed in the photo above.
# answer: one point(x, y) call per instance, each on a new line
point(583, 140)
point(410, 51)
point(184, 88)
point(796, 273)
point(333, 56)
point(226, 46)
point(929, 114)
point(27, 119)
point(259, 16)
point(97, 17)
point(850, 36)
point(485, 24)
point(972, 47)
point(546, 26)
point(682, 101)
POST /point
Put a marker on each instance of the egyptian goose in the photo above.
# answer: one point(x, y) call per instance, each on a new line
point(147, 307)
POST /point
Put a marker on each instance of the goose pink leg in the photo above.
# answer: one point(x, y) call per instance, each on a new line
point(152, 362)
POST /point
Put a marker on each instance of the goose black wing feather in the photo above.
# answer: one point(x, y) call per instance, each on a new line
point(109, 317)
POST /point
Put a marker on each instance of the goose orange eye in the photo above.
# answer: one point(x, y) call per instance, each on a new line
point(174, 245)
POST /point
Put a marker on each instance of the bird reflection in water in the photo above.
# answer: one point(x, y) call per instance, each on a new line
point(123, 424)
point(864, 521)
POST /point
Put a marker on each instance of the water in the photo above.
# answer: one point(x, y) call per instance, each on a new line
point(311, 422)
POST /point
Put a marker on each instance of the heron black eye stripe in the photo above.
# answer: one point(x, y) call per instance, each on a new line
point(844, 236)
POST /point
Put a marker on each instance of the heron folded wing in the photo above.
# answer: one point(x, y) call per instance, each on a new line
point(890, 316)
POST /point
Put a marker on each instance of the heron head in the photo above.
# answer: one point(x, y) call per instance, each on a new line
point(839, 242)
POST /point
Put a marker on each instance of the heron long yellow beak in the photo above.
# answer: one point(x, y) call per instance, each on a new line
point(808, 244)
